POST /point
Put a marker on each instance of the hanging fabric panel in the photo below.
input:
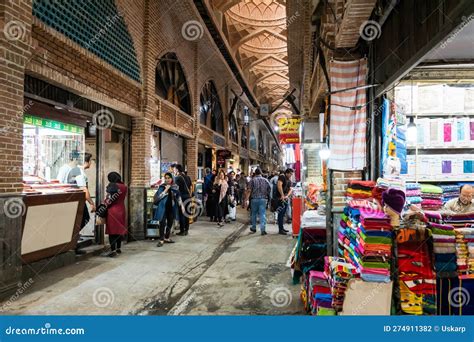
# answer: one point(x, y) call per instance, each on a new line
point(348, 126)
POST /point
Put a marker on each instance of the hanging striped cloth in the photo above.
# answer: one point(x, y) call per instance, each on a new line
point(348, 126)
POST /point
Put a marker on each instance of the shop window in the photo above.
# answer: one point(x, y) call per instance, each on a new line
point(261, 145)
point(49, 147)
point(211, 109)
point(243, 138)
point(170, 82)
point(233, 129)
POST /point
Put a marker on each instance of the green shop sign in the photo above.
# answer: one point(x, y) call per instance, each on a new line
point(35, 121)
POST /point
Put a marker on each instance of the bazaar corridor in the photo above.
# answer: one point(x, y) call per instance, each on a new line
point(227, 272)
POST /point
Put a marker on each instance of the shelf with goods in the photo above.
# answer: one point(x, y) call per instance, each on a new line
point(444, 116)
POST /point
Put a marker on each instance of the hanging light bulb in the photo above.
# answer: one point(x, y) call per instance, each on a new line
point(412, 131)
point(324, 152)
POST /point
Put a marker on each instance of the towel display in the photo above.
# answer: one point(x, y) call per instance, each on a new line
point(444, 245)
point(357, 189)
point(365, 240)
point(450, 191)
point(431, 197)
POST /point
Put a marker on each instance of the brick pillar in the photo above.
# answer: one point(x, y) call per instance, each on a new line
point(15, 51)
point(340, 179)
point(140, 175)
point(192, 154)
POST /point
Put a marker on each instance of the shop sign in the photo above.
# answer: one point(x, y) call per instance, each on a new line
point(218, 140)
point(35, 121)
point(289, 129)
point(221, 157)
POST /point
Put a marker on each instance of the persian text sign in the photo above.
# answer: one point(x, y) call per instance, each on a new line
point(289, 129)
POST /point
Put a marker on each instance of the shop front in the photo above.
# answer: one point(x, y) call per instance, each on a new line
point(56, 139)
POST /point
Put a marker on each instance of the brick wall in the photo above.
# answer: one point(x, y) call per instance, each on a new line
point(15, 46)
point(340, 179)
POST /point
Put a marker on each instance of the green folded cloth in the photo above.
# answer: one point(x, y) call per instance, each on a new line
point(431, 189)
point(375, 239)
point(326, 312)
point(372, 264)
point(443, 232)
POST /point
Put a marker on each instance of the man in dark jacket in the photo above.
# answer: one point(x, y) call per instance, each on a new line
point(184, 184)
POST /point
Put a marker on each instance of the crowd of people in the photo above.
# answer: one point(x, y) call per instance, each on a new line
point(223, 192)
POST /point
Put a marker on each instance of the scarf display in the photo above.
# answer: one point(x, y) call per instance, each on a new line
point(338, 273)
point(444, 246)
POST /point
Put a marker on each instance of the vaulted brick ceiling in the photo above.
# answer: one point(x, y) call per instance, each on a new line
point(256, 32)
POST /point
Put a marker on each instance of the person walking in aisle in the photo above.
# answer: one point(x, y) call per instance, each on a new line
point(168, 202)
point(283, 195)
point(231, 197)
point(184, 184)
point(116, 222)
point(243, 189)
point(220, 192)
point(259, 188)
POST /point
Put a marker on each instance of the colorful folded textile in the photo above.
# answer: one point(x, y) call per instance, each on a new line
point(413, 186)
point(430, 189)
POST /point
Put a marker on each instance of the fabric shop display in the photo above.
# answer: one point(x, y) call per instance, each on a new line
point(365, 240)
point(413, 194)
point(357, 189)
point(392, 183)
point(431, 197)
point(338, 273)
point(444, 246)
point(311, 248)
point(449, 192)
point(465, 249)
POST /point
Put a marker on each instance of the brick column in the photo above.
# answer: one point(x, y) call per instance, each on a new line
point(340, 179)
point(15, 51)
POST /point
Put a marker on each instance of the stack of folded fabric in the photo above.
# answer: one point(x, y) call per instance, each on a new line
point(415, 271)
point(459, 220)
point(431, 196)
point(449, 192)
point(391, 182)
point(444, 243)
point(338, 273)
point(365, 240)
point(413, 194)
point(357, 189)
point(465, 249)
point(320, 298)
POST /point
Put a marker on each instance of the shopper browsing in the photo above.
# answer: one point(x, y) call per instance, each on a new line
point(116, 224)
point(283, 194)
point(184, 184)
point(259, 188)
point(220, 190)
point(168, 203)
